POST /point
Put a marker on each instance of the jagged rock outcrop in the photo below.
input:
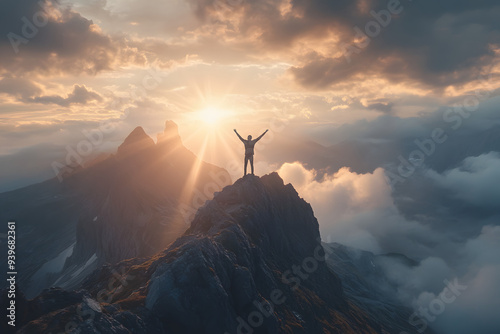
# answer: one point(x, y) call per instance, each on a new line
point(251, 262)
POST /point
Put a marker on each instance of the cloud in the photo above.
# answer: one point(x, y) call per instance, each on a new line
point(358, 210)
point(476, 307)
point(483, 249)
point(80, 95)
point(415, 283)
point(158, 19)
point(383, 106)
point(45, 37)
point(19, 87)
point(475, 181)
point(420, 45)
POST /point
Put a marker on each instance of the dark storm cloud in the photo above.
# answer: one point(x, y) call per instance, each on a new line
point(433, 43)
point(44, 37)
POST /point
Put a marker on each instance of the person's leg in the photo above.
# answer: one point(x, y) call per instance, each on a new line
point(251, 163)
point(245, 164)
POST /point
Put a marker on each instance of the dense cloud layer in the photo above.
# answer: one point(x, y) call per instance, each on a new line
point(358, 210)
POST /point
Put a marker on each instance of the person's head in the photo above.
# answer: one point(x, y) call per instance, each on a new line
point(249, 137)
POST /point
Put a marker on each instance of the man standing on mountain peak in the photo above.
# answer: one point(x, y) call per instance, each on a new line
point(249, 145)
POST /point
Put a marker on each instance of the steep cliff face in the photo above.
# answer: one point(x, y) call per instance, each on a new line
point(251, 262)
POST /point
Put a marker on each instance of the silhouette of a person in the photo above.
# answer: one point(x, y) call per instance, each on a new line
point(249, 145)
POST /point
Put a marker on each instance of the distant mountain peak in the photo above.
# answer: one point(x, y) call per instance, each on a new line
point(171, 127)
point(135, 141)
point(170, 135)
point(137, 134)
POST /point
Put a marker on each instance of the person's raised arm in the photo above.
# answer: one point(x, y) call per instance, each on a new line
point(262, 135)
point(239, 135)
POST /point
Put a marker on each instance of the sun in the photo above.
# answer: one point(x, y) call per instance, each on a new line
point(211, 115)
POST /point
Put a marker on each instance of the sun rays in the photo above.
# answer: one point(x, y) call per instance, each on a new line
point(208, 115)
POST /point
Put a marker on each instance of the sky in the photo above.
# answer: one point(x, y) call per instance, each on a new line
point(384, 115)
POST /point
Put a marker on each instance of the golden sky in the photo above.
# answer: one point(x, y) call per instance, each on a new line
point(215, 65)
